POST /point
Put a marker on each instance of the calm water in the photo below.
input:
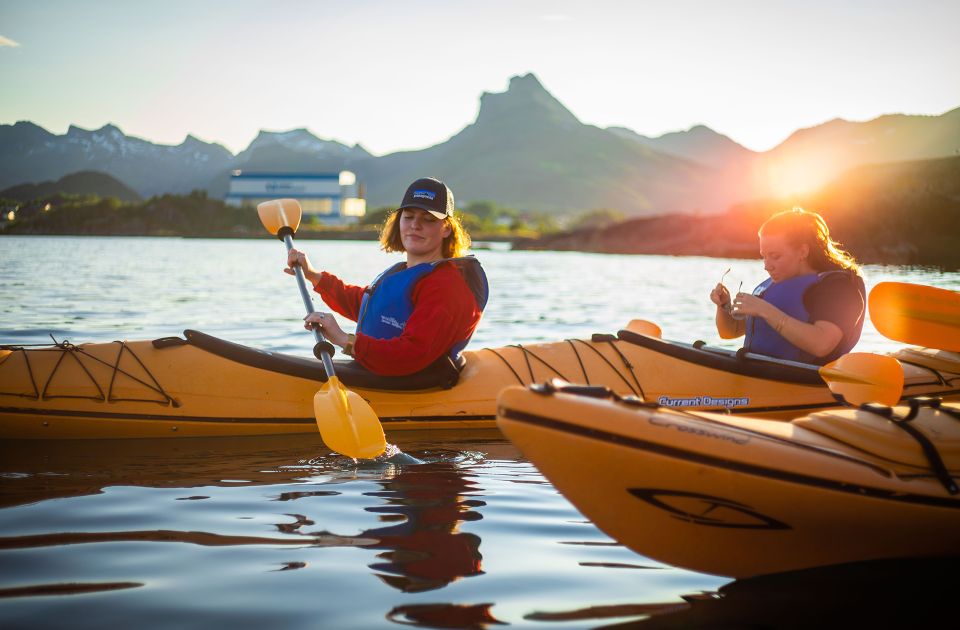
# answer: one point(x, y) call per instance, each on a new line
point(279, 532)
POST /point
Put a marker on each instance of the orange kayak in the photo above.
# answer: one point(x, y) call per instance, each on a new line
point(199, 385)
point(742, 496)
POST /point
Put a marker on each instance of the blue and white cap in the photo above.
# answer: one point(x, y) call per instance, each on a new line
point(431, 195)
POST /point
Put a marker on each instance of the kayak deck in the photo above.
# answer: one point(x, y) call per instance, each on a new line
point(199, 385)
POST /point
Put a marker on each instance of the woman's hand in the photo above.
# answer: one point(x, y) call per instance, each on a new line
point(720, 296)
point(729, 325)
point(748, 305)
point(328, 327)
point(294, 258)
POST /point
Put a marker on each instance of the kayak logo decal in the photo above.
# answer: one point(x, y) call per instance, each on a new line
point(727, 402)
point(694, 429)
point(704, 509)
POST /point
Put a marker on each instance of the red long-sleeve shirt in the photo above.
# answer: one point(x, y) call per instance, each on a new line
point(444, 313)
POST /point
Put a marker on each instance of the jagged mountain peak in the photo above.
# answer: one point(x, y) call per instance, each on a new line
point(26, 125)
point(193, 142)
point(526, 83)
point(298, 133)
point(107, 129)
point(526, 99)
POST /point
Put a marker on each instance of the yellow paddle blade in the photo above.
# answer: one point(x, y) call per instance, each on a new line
point(643, 327)
point(917, 314)
point(347, 423)
point(861, 377)
point(278, 213)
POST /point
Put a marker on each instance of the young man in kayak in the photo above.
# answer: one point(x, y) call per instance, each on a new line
point(811, 308)
point(417, 312)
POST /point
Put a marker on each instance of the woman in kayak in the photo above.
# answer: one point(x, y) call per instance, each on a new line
point(418, 312)
point(811, 308)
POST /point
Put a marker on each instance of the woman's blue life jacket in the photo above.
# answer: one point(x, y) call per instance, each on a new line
point(787, 295)
point(387, 302)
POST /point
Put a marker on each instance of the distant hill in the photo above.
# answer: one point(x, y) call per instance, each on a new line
point(82, 183)
point(698, 144)
point(527, 151)
point(811, 158)
point(898, 213)
point(524, 150)
point(166, 215)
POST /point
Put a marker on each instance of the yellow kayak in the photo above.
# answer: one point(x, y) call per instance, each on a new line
point(200, 385)
point(743, 496)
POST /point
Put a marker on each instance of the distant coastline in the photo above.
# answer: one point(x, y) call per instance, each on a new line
point(904, 213)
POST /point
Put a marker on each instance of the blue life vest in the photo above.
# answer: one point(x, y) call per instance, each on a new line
point(786, 295)
point(387, 302)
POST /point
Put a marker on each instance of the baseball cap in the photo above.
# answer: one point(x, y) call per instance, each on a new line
point(431, 195)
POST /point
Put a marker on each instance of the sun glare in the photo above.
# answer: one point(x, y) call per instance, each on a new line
point(784, 176)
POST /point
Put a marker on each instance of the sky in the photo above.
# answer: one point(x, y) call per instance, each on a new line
point(400, 75)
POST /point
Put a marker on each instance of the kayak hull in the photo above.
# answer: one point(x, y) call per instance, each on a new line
point(737, 496)
point(201, 386)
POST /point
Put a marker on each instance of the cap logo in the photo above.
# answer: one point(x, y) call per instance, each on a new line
point(424, 194)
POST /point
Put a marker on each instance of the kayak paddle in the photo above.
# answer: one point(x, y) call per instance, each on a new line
point(861, 377)
point(346, 421)
point(917, 314)
point(643, 327)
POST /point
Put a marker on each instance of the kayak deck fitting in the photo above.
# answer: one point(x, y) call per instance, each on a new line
point(200, 385)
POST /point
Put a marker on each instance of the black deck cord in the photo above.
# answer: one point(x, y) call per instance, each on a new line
point(26, 359)
point(586, 377)
point(68, 350)
point(935, 403)
point(66, 346)
point(929, 450)
point(507, 363)
point(526, 358)
point(936, 372)
point(33, 380)
point(612, 366)
point(529, 353)
point(629, 366)
point(157, 387)
point(589, 391)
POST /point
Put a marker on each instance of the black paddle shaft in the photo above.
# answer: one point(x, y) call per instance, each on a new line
point(323, 349)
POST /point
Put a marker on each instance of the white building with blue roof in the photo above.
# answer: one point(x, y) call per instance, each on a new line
point(333, 198)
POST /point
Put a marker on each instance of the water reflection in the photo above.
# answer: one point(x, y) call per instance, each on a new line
point(905, 593)
point(461, 616)
point(43, 470)
point(424, 550)
point(421, 506)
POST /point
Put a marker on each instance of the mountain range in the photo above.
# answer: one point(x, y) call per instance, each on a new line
point(524, 150)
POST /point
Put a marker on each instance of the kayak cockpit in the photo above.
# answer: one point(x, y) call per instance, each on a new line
point(442, 374)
